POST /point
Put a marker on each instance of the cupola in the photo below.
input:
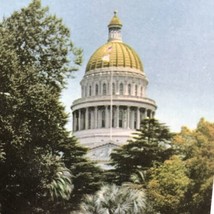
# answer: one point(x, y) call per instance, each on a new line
point(114, 27)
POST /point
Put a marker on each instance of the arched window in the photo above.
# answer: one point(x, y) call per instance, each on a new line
point(96, 89)
point(129, 89)
point(136, 90)
point(113, 88)
point(89, 90)
point(86, 91)
point(104, 89)
point(121, 88)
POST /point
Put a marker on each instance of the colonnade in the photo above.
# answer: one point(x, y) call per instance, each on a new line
point(127, 117)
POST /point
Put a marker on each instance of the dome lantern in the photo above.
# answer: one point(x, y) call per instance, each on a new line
point(114, 27)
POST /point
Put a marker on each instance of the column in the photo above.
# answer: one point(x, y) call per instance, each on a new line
point(106, 117)
point(138, 118)
point(74, 124)
point(82, 119)
point(117, 116)
point(132, 118)
point(86, 118)
point(82, 91)
point(79, 121)
point(92, 117)
point(95, 117)
point(98, 117)
point(128, 117)
point(125, 117)
point(76, 120)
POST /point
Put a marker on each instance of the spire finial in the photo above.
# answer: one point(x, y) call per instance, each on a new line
point(114, 27)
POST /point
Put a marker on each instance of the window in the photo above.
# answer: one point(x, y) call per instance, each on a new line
point(89, 90)
point(96, 90)
point(113, 88)
point(86, 90)
point(104, 89)
point(121, 88)
point(129, 89)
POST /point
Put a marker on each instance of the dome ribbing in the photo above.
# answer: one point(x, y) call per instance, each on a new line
point(119, 54)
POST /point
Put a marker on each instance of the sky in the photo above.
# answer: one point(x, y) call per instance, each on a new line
point(174, 39)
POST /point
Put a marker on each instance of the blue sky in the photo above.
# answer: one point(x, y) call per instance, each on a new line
point(174, 39)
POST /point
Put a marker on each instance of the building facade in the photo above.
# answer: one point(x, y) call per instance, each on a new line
point(113, 100)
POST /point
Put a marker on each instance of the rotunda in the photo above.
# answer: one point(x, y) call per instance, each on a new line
point(113, 101)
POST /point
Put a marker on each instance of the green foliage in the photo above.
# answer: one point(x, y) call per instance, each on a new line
point(41, 40)
point(61, 184)
point(86, 177)
point(150, 144)
point(114, 200)
point(197, 150)
point(167, 186)
point(176, 171)
point(40, 163)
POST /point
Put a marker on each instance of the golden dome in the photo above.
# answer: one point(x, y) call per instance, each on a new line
point(114, 54)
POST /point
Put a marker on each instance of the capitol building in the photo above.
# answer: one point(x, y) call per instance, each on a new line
point(113, 97)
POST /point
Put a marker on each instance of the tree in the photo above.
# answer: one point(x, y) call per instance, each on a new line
point(150, 144)
point(40, 162)
point(114, 200)
point(167, 186)
point(196, 147)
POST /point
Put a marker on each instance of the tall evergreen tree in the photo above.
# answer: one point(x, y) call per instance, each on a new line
point(43, 169)
point(150, 144)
